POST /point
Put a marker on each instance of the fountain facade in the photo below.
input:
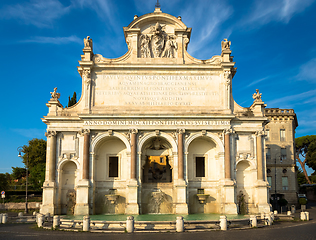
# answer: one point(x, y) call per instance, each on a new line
point(158, 126)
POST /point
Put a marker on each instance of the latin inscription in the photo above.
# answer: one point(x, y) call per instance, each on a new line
point(155, 123)
point(156, 90)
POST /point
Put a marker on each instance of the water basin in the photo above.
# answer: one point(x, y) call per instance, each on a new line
point(157, 217)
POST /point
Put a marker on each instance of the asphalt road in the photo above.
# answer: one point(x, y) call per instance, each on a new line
point(279, 230)
point(284, 230)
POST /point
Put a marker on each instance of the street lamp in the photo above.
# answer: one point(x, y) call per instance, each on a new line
point(20, 150)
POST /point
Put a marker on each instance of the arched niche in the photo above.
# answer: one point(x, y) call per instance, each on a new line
point(110, 155)
point(68, 175)
point(156, 159)
point(201, 155)
point(245, 179)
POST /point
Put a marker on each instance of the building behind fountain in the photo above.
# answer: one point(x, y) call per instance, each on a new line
point(155, 131)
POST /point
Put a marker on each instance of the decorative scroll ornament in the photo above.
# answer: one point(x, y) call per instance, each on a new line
point(87, 42)
point(50, 133)
point(55, 95)
point(257, 96)
point(226, 44)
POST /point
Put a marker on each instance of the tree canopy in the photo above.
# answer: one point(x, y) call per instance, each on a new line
point(306, 147)
point(72, 101)
point(34, 152)
point(35, 155)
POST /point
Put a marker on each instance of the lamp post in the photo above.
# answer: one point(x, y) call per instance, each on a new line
point(20, 150)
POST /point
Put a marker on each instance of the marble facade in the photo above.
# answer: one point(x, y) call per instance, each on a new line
point(155, 131)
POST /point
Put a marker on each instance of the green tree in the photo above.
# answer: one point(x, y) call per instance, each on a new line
point(34, 152)
point(4, 182)
point(35, 156)
point(18, 173)
point(301, 178)
point(311, 155)
point(305, 147)
point(72, 101)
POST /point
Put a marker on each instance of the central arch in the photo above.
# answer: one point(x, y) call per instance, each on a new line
point(157, 172)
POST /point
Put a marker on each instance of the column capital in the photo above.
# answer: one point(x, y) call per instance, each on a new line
point(133, 131)
point(50, 134)
point(259, 133)
point(228, 131)
point(84, 131)
point(180, 130)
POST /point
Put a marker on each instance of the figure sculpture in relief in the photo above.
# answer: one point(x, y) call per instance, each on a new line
point(55, 95)
point(226, 44)
point(170, 48)
point(144, 46)
point(157, 40)
point(257, 96)
point(87, 42)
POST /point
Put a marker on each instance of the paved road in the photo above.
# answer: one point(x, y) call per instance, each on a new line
point(279, 230)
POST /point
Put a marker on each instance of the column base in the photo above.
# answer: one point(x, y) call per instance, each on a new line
point(81, 209)
point(132, 206)
point(228, 189)
point(82, 198)
point(132, 209)
point(48, 204)
point(264, 208)
point(181, 206)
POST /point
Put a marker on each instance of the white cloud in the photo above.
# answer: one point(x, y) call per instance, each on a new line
point(104, 9)
point(30, 133)
point(206, 18)
point(292, 100)
point(55, 40)
point(280, 11)
point(308, 71)
point(36, 12)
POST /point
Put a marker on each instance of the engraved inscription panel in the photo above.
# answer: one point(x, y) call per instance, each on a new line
point(157, 90)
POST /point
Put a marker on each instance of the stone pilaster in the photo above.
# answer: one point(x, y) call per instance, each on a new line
point(259, 155)
point(49, 186)
point(133, 153)
point(261, 186)
point(227, 164)
point(132, 200)
point(228, 204)
point(181, 206)
point(180, 154)
point(82, 200)
point(86, 154)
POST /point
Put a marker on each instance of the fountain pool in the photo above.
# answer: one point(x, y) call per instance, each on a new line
point(156, 217)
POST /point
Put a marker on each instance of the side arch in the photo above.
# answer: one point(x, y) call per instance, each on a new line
point(100, 137)
point(214, 137)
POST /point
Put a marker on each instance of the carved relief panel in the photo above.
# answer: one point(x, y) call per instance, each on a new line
point(157, 43)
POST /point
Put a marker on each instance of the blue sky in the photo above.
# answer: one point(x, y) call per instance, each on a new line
point(273, 44)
